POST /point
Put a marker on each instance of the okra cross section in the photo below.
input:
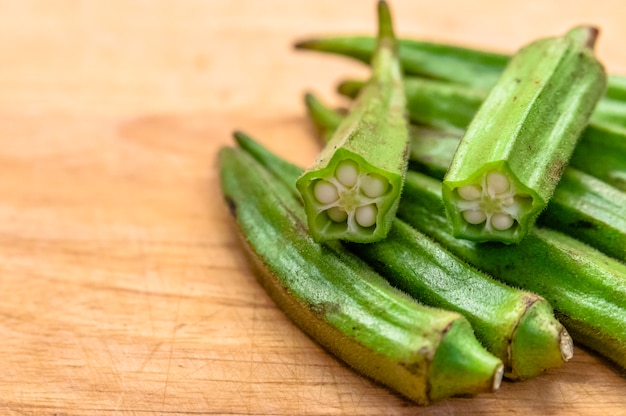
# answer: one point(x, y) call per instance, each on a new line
point(515, 149)
point(352, 190)
point(349, 197)
point(493, 202)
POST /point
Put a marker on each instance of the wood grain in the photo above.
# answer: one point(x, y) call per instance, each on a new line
point(124, 289)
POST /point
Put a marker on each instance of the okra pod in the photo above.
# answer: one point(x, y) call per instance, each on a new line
point(471, 67)
point(325, 120)
point(423, 353)
point(430, 60)
point(602, 153)
point(582, 206)
point(514, 151)
point(352, 190)
point(505, 319)
point(601, 150)
point(432, 103)
point(586, 288)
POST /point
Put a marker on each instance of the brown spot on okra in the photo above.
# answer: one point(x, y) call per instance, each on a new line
point(325, 308)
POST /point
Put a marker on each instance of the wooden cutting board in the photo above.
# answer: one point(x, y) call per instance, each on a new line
point(124, 289)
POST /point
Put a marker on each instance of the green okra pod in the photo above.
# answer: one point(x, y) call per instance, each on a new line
point(586, 288)
point(352, 190)
point(514, 151)
point(582, 206)
point(423, 353)
point(470, 67)
point(325, 120)
point(427, 59)
point(601, 150)
point(432, 103)
point(505, 319)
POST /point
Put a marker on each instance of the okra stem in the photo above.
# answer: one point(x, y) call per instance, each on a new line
point(420, 267)
point(423, 353)
point(352, 190)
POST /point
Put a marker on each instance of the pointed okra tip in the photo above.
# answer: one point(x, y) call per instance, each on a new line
point(540, 342)
point(584, 35)
point(385, 23)
point(462, 366)
point(493, 206)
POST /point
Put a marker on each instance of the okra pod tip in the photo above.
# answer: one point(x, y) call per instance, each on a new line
point(539, 342)
point(585, 35)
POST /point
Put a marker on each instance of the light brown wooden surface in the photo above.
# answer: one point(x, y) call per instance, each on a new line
point(123, 287)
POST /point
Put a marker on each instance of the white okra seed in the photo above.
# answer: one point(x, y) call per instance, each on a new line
point(470, 192)
point(347, 173)
point(373, 185)
point(325, 192)
point(474, 216)
point(501, 221)
point(366, 215)
point(497, 182)
point(337, 214)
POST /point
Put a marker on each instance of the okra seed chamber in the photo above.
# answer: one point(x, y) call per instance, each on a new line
point(493, 202)
point(350, 197)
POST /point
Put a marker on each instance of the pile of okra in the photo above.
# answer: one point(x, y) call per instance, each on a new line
point(464, 221)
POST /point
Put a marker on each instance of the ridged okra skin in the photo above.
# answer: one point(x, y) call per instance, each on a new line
point(469, 67)
point(432, 103)
point(600, 151)
point(514, 151)
point(589, 210)
point(505, 319)
point(423, 353)
point(352, 190)
point(586, 288)
point(582, 206)
point(416, 264)
point(431, 60)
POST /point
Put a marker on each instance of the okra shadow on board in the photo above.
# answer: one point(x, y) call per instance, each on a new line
point(423, 353)
point(516, 326)
point(516, 147)
point(353, 189)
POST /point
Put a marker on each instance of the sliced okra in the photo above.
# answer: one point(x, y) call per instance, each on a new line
point(514, 151)
point(349, 200)
point(352, 190)
point(582, 206)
